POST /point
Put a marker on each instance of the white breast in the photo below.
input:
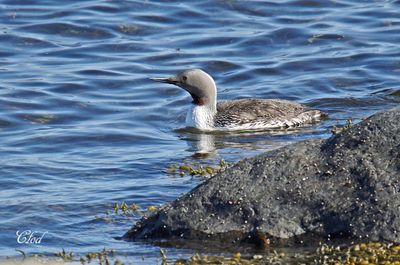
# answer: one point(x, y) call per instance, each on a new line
point(200, 117)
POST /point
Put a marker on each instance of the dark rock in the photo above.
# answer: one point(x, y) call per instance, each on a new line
point(347, 185)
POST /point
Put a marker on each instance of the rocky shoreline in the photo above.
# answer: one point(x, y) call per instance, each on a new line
point(347, 186)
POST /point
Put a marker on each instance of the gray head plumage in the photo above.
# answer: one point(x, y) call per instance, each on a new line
point(198, 83)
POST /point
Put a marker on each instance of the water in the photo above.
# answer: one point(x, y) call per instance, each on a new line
point(82, 127)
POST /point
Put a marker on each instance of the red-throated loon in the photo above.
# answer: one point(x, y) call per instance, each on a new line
point(243, 114)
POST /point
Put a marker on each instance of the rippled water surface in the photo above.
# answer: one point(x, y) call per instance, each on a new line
point(82, 126)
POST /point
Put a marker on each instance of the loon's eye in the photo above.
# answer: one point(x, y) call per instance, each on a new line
point(184, 78)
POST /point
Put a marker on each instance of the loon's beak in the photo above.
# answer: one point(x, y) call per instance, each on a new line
point(169, 80)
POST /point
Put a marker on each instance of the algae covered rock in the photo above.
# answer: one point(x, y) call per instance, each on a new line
point(347, 186)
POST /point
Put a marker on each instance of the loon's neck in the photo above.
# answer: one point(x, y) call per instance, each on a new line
point(201, 116)
point(204, 108)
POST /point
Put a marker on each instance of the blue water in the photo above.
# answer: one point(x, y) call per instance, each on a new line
point(82, 126)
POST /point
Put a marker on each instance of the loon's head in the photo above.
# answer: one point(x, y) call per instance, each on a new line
point(198, 83)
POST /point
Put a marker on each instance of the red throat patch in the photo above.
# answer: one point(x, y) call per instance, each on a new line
point(199, 101)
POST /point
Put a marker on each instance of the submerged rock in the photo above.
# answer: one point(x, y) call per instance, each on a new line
point(347, 186)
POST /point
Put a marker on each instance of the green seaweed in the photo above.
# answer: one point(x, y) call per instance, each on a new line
point(101, 257)
point(337, 130)
point(125, 209)
point(356, 254)
point(64, 255)
point(196, 169)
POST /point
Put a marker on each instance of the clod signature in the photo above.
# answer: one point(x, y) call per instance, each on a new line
point(30, 237)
